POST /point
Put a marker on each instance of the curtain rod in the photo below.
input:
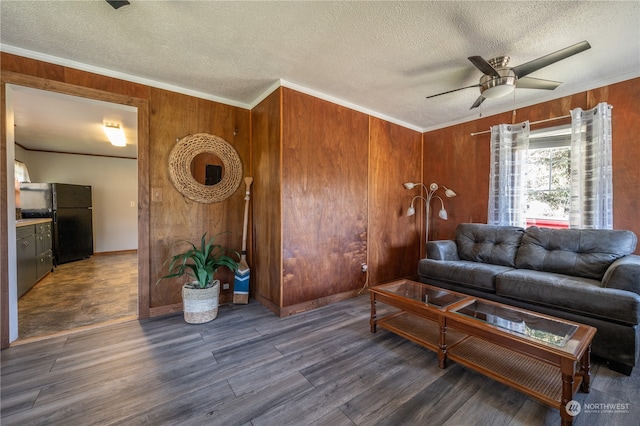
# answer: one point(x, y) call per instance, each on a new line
point(532, 123)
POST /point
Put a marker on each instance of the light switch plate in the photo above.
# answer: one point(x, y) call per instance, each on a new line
point(156, 194)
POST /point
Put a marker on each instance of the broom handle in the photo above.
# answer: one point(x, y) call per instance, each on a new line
point(247, 181)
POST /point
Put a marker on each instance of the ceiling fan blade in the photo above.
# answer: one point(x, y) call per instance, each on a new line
point(483, 66)
point(536, 64)
point(536, 83)
point(454, 90)
point(478, 101)
point(117, 4)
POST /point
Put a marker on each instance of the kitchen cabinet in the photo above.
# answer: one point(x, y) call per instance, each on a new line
point(34, 253)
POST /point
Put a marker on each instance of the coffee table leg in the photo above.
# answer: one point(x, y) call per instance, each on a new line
point(373, 321)
point(585, 370)
point(568, 370)
point(442, 353)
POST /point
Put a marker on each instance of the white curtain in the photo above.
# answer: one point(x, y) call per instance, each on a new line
point(507, 181)
point(591, 171)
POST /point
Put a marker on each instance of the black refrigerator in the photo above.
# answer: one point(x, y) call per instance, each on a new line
point(69, 207)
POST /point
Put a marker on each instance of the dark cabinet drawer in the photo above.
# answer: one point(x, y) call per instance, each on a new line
point(34, 254)
point(44, 264)
point(26, 265)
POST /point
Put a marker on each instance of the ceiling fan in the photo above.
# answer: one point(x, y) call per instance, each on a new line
point(499, 79)
point(116, 4)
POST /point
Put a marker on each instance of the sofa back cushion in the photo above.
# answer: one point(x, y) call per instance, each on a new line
point(583, 253)
point(488, 243)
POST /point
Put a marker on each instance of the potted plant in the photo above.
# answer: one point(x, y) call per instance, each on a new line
point(200, 294)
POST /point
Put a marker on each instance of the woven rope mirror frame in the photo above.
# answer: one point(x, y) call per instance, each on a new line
point(183, 153)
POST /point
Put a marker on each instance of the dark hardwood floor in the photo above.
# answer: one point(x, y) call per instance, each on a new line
point(97, 290)
point(249, 367)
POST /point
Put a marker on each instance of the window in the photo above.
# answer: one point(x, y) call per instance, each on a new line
point(513, 191)
point(548, 179)
point(20, 172)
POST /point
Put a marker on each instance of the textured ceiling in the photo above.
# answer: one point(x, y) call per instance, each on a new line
point(383, 58)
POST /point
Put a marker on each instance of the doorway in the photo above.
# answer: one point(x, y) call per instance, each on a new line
point(60, 138)
point(138, 204)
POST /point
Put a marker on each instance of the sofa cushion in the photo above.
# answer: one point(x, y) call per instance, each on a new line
point(488, 243)
point(575, 294)
point(462, 272)
point(583, 253)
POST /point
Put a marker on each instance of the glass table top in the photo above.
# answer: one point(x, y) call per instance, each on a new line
point(529, 325)
point(432, 296)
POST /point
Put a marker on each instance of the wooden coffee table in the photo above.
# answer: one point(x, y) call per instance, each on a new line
point(544, 357)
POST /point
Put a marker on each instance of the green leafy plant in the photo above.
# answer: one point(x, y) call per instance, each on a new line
point(201, 263)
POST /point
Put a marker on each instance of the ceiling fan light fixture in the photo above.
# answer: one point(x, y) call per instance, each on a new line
point(115, 134)
point(498, 91)
point(495, 87)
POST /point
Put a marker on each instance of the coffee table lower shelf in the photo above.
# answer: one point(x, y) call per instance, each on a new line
point(419, 330)
point(529, 375)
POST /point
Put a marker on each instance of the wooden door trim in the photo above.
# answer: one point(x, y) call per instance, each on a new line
point(9, 77)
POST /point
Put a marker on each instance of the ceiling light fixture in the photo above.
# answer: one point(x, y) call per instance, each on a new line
point(115, 134)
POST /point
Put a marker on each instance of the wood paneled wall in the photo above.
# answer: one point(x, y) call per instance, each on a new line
point(454, 158)
point(324, 199)
point(334, 180)
point(81, 79)
point(174, 216)
point(266, 269)
point(395, 157)
point(459, 161)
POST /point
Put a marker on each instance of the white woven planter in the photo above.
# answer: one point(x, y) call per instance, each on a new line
point(200, 305)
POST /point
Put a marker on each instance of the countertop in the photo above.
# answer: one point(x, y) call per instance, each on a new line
point(27, 222)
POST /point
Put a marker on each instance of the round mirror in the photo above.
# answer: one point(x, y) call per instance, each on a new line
point(205, 168)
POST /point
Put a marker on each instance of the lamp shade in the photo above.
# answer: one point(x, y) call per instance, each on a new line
point(449, 192)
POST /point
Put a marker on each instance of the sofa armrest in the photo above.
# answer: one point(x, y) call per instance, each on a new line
point(624, 274)
point(442, 250)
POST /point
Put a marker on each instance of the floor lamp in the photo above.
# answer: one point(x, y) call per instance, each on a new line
point(427, 201)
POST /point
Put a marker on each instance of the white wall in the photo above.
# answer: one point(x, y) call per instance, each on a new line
point(114, 183)
point(20, 153)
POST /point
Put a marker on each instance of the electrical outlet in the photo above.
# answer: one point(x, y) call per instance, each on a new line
point(364, 267)
point(225, 286)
